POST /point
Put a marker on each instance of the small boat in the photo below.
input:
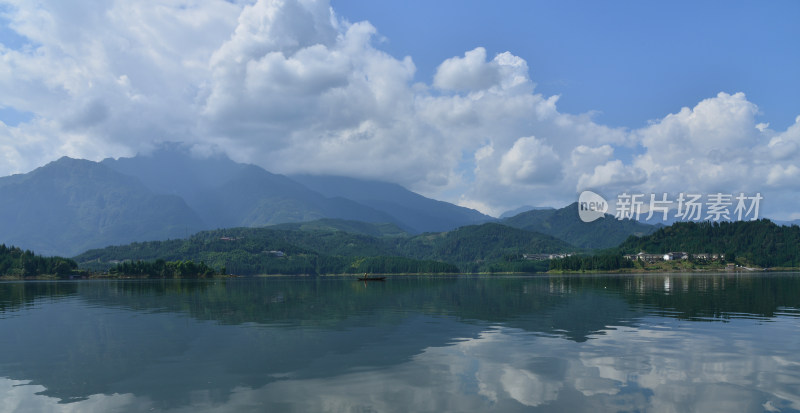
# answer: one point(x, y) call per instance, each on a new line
point(368, 278)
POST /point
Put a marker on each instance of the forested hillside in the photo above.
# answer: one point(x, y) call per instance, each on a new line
point(761, 243)
point(322, 247)
point(353, 227)
point(564, 224)
point(476, 247)
point(15, 262)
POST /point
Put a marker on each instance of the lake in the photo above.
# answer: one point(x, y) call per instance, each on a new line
point(657, 342)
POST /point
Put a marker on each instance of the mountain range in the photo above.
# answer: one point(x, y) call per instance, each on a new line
point(70, 205)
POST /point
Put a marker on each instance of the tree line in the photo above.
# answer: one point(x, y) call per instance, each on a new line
point(164, 269)
point(304, 265)
point(245, 251)
point(761, 243)
point(16, 262)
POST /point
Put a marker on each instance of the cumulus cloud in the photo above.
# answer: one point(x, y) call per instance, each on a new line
point(471, 72)
point(584, 155)
point(718, 146)
point(612, 174)
point(530, 161)
point(724, 123)
point(109, 78)
point(293, 87)
point(785, 145)
point(784, 176)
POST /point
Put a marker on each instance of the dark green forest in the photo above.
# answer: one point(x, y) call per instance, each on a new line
point(318, 249)
point(15, 262)
point(163, 269)
point(761, 243)
point(600, 262)
point(484, 248)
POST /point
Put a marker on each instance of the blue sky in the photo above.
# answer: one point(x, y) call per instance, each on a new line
point(631, 61)
point(487, 105)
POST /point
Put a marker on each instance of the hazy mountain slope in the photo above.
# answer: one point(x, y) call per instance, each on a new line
point(416, 211)
point(226, 194)
point(229, 194)
point(565, 224)
point(173, 170)
point(254, 197)
point(524, 208)
point(70, 205)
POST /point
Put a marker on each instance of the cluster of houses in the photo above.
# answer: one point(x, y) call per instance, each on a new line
point(674, 256)
point(541, 257)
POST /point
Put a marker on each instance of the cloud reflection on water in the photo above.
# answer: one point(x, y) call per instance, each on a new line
point(661, 365)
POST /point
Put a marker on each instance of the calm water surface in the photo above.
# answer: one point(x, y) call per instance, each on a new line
point(666, 342)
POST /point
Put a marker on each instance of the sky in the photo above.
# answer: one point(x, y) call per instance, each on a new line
point(486, 105)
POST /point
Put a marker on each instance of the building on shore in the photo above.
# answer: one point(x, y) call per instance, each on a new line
point(542, 257)
point(675, 256)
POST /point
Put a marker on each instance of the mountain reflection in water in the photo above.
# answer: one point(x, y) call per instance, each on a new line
point(662, 342)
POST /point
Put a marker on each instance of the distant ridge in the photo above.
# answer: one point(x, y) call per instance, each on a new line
point(71, 205)
point(228, 194)
point(419, 213)
point(787, 223)
point(524, 208)
point(565, 224)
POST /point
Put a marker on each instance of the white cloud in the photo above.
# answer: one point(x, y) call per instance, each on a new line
point(583, 155)
point(471, 72)
point(108, 78)
point(784, 176)
point(724, 123)
point(530, 161)
point(293, 87)
point(706, 148)
point(785, 146)
point(612, 174)
point(474, 73)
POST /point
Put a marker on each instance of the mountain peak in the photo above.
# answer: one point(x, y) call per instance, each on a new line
point(565, 224)
point(70, 205)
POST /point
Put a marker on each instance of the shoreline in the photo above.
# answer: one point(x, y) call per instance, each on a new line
point(640, 271)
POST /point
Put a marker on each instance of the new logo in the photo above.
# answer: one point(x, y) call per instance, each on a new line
point(591, 206)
